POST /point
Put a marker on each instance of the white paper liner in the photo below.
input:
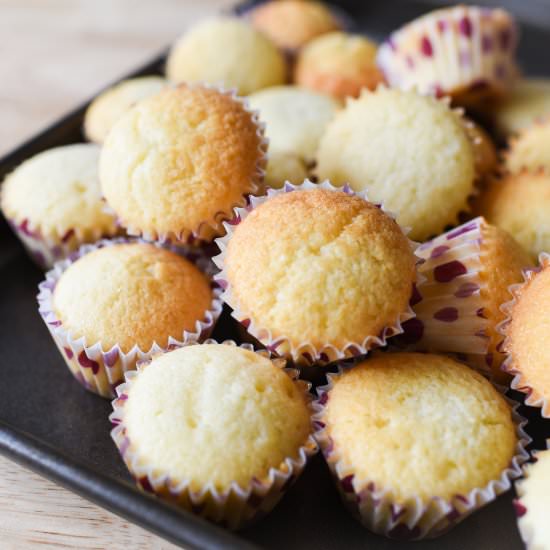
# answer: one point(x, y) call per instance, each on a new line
point(235, 507)
point(533, 397)
point(208, 229)
point(375, 508)
point(462, 50)
point(305, 353)
point(449, 307)
point(97, 369)
point(45, 250)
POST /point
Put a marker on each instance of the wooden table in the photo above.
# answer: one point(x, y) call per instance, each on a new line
point(55, 54)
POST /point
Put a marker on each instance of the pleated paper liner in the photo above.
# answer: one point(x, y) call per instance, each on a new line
point(101, 370)
point(418, 519)
point(305, 353)
point(533, 396)
point(213, 227)
point(465, 51)
point(235, 507)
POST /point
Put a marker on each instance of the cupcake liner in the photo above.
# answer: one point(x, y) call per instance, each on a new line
point(97, 369)
point(45, 250)
point(375, 507)
point(533, 397)
point(234, 507)
point(464, 50)
point(305, 353)
point(208, 229)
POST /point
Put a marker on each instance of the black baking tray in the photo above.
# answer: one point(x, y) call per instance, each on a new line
point(51, 425)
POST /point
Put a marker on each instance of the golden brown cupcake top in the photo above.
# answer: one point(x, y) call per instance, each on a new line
point(179, 159)
point(320, 266)
point(292, 23)
point(131, 294)
point(339, 64)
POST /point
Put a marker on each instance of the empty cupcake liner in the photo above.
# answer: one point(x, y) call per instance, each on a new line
point(97, 369)
point(376, 508)
point(449, 307)
point(464, 50)
point(304, 353)
point(208, 229)
point(235, 507)
point(45, 250)
point(534, 397)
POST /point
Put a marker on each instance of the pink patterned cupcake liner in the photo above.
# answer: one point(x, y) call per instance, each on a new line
point(208, 229)
point(375, 506)
point(462, 50)
point(46, 250)
point(305, 353)
point(533, 397)
point(97, 369)
point(235, 507)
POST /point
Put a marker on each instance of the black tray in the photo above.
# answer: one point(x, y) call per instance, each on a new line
point(51, 425)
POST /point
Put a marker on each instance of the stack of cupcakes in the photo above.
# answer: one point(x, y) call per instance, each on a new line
point(319, 274)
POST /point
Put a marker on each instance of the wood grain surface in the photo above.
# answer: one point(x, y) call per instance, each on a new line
point(55, 54)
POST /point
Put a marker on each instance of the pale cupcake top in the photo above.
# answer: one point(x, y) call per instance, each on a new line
point(292, 23)
point(419, 425)
point(321, 267)
point(179, 160)
point(131, 294)
point(215, 414)
point(339, 64)
point(519, 203)
point(527, 336)
point(534, 502)
point(528, 101)
point(111, 104)
point(530, 150)
point(226, 51)
point(57, 192)
point(284, 166)
point(295, 118)
point(411, 152)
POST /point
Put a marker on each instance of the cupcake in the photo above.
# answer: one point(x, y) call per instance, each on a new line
point(530, 150)
point(463, 280)
point(111, 104)
point(316, 273)
point(226, 51)
point(292, 23)
point(53, 202)
point(175, 165)
point(216, 429)
point(283, 167)
point(338, 64)
point(417, 442)
point(533, 503)
point(410, 152)
point(526, 332)
point(519, 203)
point(295, 118)
point(485, 153)
point(116, 303)
point(466, 52)
point(526, 103)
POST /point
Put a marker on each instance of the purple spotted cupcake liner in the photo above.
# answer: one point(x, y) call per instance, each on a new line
point(234, 507)
point(533, 397)
point(450, 308)
point(305, 353)
point(209, 229)
point(46, 250)
point(466, 51)
point(376, 508)
point(97, 369)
